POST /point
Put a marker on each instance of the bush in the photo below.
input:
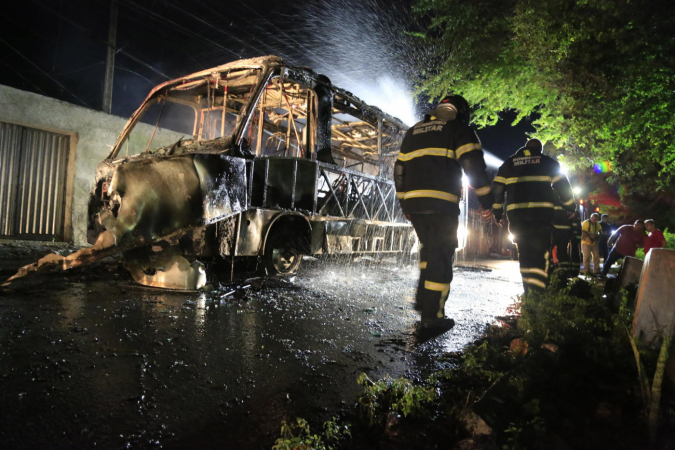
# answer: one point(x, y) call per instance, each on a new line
point(399, 395)
point(300, 437)
point(576, 312)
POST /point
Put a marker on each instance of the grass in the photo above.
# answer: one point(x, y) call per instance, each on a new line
point(577, 384)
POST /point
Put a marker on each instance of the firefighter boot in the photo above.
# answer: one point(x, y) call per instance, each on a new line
point(432, 300)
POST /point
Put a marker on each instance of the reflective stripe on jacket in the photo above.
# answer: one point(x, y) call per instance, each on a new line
point(428, 170)
point(531, 183)
point(576, 228)
point(562, 224)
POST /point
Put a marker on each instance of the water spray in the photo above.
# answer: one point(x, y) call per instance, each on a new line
point(361, 47)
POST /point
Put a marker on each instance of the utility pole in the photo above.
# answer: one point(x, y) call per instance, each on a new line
point(110, 60)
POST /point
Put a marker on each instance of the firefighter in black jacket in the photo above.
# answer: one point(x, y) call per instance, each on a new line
point(529, 179)
point(562, 235)
point(428, 177)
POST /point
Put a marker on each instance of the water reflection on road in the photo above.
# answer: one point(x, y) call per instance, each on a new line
point(99, 362)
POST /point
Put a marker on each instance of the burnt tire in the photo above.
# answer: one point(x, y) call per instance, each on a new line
point(281, 256)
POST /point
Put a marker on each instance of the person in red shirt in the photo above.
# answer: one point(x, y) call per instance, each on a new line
point(656, 239)
point(626, 240)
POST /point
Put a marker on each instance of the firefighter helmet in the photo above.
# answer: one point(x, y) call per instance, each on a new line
point(453, 102)
point(535, 144)
point(460, 103)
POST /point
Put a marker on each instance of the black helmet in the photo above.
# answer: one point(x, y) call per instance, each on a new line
point(460, 103)
point(535, 144)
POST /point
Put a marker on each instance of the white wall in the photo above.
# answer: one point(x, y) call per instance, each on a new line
point(92, 135)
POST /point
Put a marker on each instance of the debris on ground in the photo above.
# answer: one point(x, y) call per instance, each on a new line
point(518, 347)
point(474, 424)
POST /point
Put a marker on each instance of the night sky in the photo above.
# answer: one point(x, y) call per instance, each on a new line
point(58, 48)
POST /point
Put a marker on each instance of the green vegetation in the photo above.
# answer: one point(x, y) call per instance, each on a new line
point(651, 397)
point(570, 383)
point(598, 76)
point(390, 395)
point(298, 436)
point(561, 375)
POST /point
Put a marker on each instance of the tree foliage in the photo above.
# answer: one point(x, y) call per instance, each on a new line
point(598, 76)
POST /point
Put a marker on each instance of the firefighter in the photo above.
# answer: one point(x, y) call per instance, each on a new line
point(562, 235)
point(428, 178)
point(529, 179)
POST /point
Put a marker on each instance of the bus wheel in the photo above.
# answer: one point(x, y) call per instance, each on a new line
point(281, 256)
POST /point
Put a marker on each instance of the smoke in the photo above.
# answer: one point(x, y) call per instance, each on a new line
point(361, 46)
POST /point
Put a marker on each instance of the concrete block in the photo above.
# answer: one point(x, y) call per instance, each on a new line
point(630, 272)
point(631, 269)
point(655, 306)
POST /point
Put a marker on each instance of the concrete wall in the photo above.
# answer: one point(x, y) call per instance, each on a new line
point(92, 135)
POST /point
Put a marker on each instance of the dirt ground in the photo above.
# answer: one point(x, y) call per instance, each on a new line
point(91, 360)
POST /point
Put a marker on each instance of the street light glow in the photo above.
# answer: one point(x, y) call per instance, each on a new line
point(462, 234)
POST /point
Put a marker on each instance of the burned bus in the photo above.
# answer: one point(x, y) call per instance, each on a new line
point(256, 158)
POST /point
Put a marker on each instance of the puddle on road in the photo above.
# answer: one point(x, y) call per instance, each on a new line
point(87, 359)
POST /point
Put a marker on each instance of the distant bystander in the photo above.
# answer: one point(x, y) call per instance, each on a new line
point(656, 239)
point(590, 235)
point(626, 240)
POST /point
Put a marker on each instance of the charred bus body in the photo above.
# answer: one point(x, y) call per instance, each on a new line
point(254, 158)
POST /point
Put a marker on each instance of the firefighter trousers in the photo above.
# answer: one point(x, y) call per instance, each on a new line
point(534, 253)
point(437, 234)
point(561, 240)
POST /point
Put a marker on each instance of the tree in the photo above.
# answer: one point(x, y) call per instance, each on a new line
point(598, 76)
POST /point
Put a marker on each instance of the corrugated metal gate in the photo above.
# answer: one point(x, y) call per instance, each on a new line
point(33, 167)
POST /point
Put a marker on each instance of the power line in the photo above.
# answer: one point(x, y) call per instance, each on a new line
point(123, 52)
point(191, 33)
point(268, 48)
point(181, 28)
point(199, 19)
point(70, 72)
point(134, 17)
point(152, 83)
point(144, 64)
point(301, 45)
point(126, 53)
point(45, 73)
point(24, 78)
point(229, 35)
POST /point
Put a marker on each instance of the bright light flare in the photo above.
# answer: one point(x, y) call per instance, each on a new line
point(602, 167)
point(491, 160)
point(462, 235)
point(563, 169)
point(465, 181)
point(511, 238)
point(576, 190)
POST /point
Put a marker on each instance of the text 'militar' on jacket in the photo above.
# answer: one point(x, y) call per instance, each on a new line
point(428, 171)
point(529, 182)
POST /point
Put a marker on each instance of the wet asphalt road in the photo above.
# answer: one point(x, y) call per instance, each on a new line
point(88, 360)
